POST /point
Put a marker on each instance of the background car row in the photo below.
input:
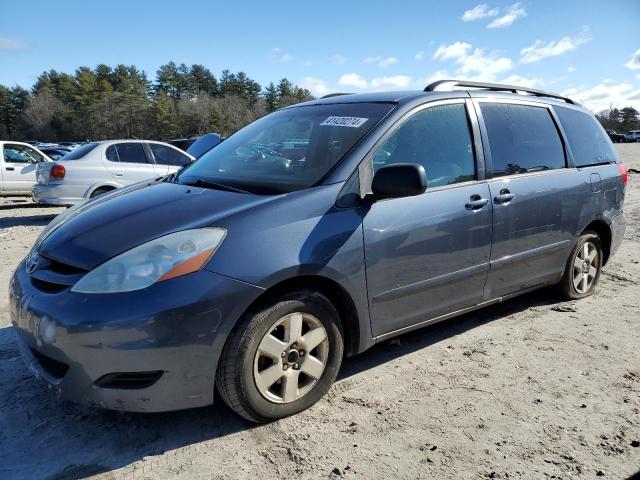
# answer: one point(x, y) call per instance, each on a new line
point(630, 136)
point(69, 172)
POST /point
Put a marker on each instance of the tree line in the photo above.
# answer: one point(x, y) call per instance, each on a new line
point(121, 102)
point(620, 120)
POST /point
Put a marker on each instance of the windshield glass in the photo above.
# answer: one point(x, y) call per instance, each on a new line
point(288, 150)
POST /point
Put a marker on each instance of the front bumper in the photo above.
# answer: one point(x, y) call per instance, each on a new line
point(177, 327)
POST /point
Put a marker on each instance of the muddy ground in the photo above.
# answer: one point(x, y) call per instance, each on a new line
point(532, 388)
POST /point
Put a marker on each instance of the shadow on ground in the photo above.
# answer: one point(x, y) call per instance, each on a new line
point(26, 221)
point(44, 437)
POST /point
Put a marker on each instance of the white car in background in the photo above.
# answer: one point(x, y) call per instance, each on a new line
point(18, 162)
point(99, 167)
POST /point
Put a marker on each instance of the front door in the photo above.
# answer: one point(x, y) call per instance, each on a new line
point(19, 168)
point(428, 255)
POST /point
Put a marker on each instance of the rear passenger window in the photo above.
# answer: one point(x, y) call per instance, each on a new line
point(129, 153)
point(165, 155)
point(112, 154)
point(522, 139)
point(439, 139)
point(589, 143)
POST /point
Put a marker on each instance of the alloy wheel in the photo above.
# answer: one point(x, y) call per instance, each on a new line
point(585, 267)
point(291, 358)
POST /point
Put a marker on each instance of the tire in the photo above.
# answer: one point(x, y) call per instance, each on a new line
point(244, 377)
point(100, 191)
point(571, 286)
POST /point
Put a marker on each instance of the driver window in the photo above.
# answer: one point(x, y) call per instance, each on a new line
point(439, 139)
point(20, 154)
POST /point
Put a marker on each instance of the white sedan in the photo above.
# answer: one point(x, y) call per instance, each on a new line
point(98, 167)
point(18, 162)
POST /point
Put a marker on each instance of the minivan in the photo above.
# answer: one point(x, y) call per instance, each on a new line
point(314, 233)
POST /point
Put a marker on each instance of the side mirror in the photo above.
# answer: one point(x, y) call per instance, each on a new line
point(399, 180)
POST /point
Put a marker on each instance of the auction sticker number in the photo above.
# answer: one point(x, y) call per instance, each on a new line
point(353, 122)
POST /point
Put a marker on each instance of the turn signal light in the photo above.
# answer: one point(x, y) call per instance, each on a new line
point(57, 172)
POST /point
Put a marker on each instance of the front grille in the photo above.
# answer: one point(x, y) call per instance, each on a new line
point(52, 276)
point(47, 287)
point(129, 380)
point(52, 367)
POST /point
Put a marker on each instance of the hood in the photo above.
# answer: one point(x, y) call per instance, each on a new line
point(117, 222)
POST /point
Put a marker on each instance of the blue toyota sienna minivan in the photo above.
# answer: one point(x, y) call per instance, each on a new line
point(311, 234)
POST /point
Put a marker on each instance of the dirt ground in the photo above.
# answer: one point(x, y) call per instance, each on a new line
point(532, 388)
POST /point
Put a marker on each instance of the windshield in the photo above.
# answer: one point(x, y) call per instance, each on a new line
point(288, 150)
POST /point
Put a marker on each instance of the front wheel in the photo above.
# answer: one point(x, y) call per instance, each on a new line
point(583, 268)
point(282, 359)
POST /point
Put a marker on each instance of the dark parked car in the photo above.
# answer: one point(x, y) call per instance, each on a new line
point(615, 136)
point(203, 144)
point(256, 272)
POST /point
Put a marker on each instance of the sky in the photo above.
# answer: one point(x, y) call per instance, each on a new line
point(589, 50)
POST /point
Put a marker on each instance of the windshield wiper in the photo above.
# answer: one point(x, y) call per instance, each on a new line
point(218, 186)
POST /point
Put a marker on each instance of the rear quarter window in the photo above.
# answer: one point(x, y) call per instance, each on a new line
point(80, 152)
point(522, 139)
point(589, 143)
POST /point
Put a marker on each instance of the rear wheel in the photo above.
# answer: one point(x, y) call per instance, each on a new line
point(282, 359)
point(100, 191)
point(582, 270)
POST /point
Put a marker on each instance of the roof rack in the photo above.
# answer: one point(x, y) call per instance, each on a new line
point(496, 87)
point(329, 95)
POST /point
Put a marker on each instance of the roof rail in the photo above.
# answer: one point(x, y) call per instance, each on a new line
point(337, 94)
point(496, 87)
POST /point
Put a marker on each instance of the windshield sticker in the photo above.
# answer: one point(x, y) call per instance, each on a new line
point(353, 122)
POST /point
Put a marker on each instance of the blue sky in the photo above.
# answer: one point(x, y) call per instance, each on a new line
point(587, 49)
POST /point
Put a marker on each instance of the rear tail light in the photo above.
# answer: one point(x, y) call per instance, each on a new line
point(623, 173)
point(57, 172)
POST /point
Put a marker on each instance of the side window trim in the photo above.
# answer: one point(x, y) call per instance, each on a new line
point(151, 160)
point(365, 168)
point(568, 156)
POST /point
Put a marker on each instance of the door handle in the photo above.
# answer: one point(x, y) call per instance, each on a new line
point(476, 202)
point(118, 174)
point(11, 169)
point(505, 196)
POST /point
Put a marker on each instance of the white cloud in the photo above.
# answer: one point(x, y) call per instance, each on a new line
point(353, 80)
point(337, 59)
point(539, 49)
point(478, 13)
point(419, 56)
point(571, 69)
point(514, 12)
point(603, 96)
point(316, 86)
point(280, 55)
point(308, 63)
point(424, 81)
point(521, 81)
point(455, 50)
point(382, 62)
point(634, 62)
point(10, 44)
point(476, 65)
point(394, 81)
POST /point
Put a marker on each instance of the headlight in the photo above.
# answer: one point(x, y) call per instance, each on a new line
point(158, 260)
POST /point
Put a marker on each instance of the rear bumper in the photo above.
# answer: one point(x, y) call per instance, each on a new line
point(618, 227)
point(176, 328)
point(56, 195)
